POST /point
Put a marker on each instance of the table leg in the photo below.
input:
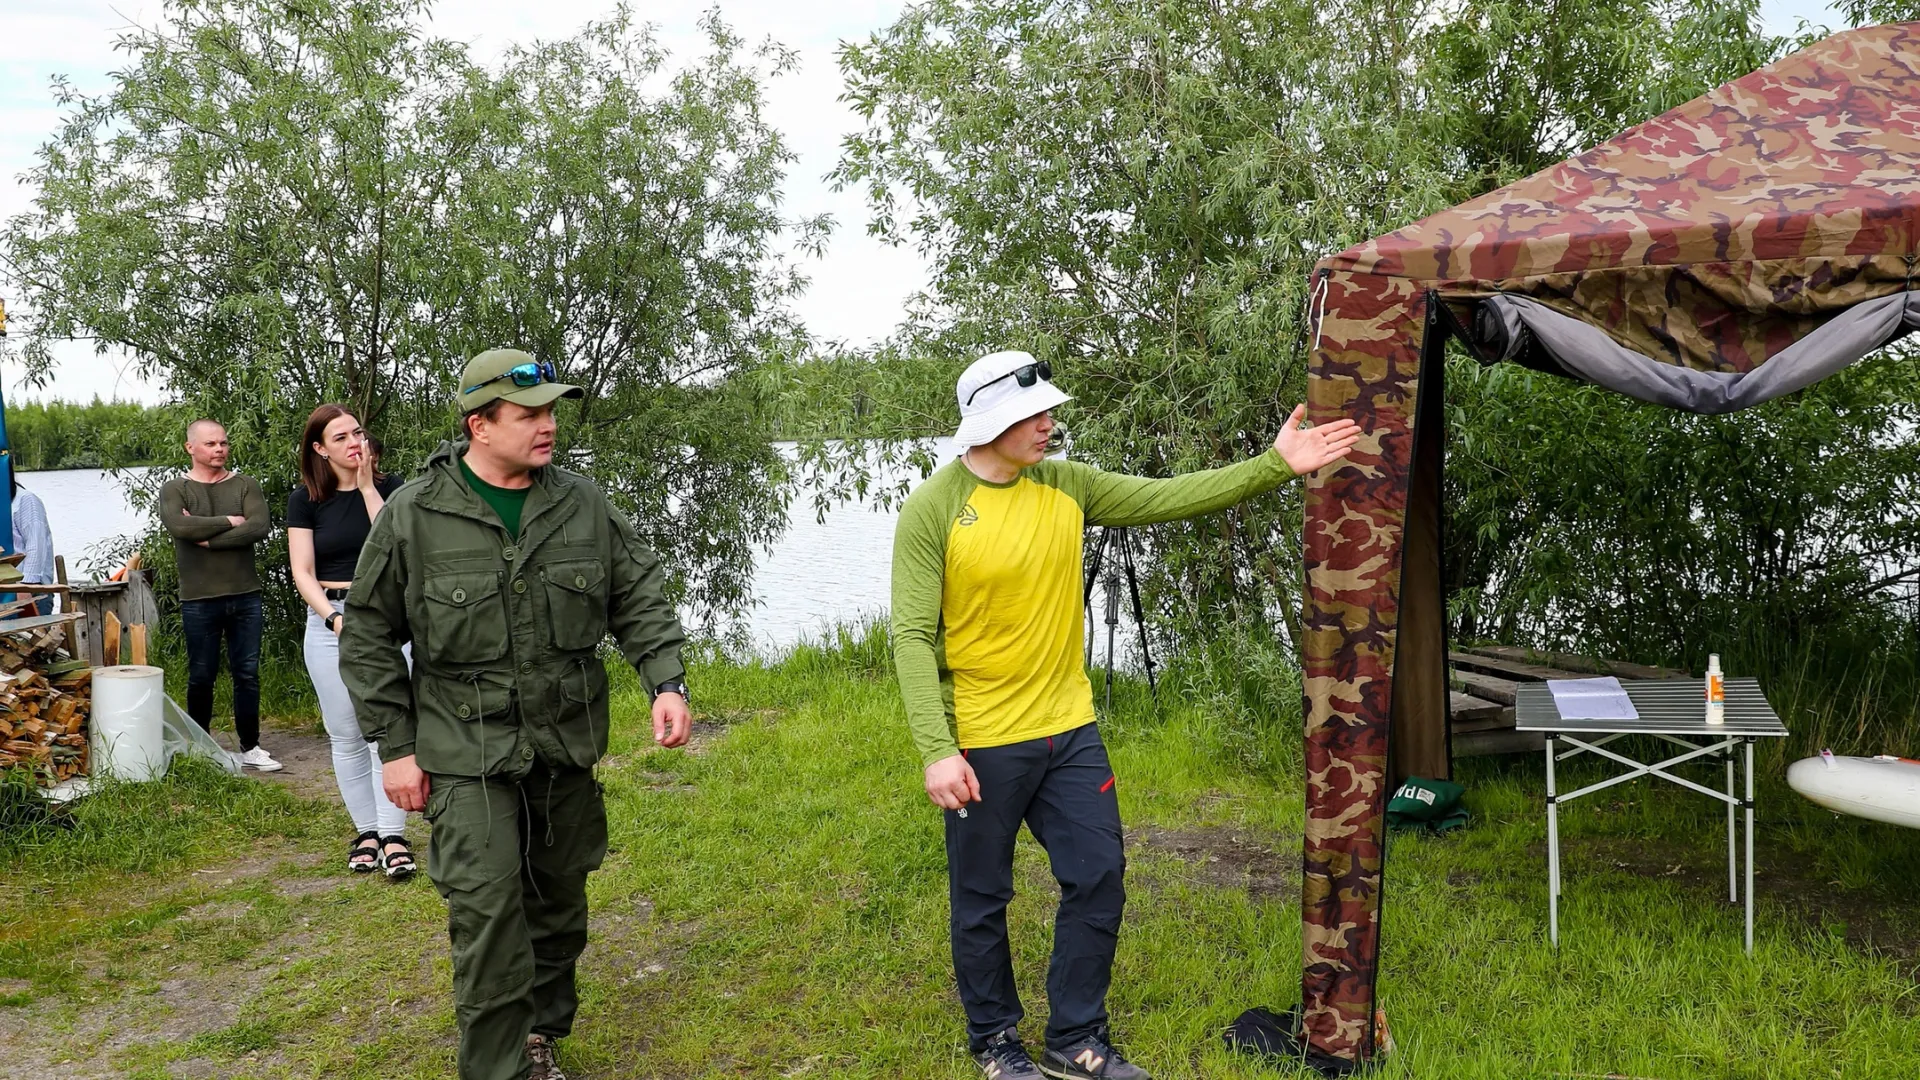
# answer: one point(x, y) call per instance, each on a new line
point(1749, 847)
point(1553, 852)
point(1733, 860)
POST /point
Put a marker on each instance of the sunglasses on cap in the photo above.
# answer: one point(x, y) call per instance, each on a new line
point(1025, 375)
point(532, 373)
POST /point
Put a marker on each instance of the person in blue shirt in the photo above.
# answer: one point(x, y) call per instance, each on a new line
point(33, 536)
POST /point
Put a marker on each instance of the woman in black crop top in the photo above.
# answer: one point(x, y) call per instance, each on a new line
point(328, 518)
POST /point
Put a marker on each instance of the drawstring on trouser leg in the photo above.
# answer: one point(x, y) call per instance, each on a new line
point(480, 710)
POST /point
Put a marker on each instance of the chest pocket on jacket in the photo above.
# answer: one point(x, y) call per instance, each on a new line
point(466, 619)
point(576, 603)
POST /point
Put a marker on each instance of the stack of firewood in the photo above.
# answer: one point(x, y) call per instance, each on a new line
point(45, 698)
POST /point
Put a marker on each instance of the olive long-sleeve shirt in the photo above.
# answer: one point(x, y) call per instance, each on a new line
point(194, 513)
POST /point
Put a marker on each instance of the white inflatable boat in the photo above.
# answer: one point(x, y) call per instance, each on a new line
point(1877, 788)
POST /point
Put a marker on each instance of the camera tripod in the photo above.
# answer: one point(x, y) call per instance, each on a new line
point(1107, 574)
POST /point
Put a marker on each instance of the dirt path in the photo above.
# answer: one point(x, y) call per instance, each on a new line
point(308, 759)
point(236, 927)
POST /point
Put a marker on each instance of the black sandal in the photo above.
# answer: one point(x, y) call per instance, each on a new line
point(399, 864)
point(363, 855)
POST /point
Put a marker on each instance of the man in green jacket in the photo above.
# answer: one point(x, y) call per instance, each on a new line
point(987, 631)
point(505, 573)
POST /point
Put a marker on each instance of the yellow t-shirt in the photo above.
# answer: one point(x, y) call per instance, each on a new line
point(988, 627)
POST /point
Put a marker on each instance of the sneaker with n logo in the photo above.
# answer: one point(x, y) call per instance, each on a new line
point(1004, 1057)
point(1091, 1057)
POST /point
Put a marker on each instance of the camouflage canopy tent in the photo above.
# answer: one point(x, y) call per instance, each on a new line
point(1734, 249)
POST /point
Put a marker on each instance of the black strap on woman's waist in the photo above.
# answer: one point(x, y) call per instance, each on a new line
point(336, 594)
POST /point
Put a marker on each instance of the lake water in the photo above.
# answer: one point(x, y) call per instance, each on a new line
point(819, 573)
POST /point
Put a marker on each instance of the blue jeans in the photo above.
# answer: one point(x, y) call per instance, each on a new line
point(239, 619)
point(1062, 788)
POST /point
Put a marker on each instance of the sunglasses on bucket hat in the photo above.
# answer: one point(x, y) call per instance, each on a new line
point(1026, 375)
point(532, 373)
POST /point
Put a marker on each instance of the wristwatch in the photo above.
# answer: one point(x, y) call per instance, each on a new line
point(672, 686)
point(331, 615)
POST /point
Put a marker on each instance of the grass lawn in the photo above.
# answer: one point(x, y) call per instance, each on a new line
point(775, 906)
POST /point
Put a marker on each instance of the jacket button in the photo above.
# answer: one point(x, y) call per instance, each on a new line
point(579, 581)
point(464, 712)
point(526, 667)
point(459, 596)
point(527, 754)
point(519, 585)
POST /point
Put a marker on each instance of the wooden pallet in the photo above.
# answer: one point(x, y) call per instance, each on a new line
point(1483, 679)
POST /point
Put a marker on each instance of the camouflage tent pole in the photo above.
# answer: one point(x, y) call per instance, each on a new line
point(1367, 365)
point(1771, 222)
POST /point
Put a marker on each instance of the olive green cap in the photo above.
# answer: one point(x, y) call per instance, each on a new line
point(480, 382)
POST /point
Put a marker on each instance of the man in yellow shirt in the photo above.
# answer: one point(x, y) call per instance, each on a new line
point(988, 642)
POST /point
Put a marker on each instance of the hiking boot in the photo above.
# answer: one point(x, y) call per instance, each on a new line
point(1091, 1057)
point(540, 1053)
point(258, 758)
point(1004, 1058)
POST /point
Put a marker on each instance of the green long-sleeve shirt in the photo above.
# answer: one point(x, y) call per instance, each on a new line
point(195, 512)
point(988, 631)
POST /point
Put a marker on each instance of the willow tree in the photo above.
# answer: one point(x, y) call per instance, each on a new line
point(283, 202)
point(1138, 192)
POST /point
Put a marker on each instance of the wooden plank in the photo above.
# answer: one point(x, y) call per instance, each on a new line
point(60, 569)
point(13, 608)
point(137, 604)
point(1466, 707)
point(1500, 721)
point(86, 639)
point(1510, 669)
point(1498, 742)
point(1569, 662)
point(94, 599)
point(36, 622)
point(110, 640)
point(52, 590)
point(139, 630)
point(1486, 687)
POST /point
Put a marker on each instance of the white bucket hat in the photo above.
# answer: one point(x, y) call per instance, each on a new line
point(992, 399)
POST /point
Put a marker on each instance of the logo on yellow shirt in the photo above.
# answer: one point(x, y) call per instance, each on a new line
point(968, 515)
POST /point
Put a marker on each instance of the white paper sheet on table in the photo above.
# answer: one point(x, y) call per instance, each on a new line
point(1592, 699)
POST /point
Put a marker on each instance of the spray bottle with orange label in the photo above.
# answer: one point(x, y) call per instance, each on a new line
point(1716, 691)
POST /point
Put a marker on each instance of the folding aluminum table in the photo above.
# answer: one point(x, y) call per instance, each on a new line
point(1670, 709)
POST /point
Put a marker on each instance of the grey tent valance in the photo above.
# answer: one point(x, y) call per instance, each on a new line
point(1505, 327)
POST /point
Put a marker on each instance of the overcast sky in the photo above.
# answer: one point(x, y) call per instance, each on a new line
point(858, 287)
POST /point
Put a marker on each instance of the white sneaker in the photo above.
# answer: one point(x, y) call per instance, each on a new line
point(258, 758)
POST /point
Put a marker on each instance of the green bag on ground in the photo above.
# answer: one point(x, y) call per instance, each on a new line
point(1433, 805)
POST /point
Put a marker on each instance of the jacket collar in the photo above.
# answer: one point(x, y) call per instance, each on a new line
point(449, 493)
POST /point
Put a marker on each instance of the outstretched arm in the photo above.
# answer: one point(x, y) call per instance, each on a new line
point(1116, 499)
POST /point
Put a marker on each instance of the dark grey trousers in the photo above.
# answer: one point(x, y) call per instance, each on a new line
point(1062, 788)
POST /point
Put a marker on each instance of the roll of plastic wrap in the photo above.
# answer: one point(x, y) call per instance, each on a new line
point(127, 741)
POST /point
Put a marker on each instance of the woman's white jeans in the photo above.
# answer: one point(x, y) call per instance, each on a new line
point(356, 762)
